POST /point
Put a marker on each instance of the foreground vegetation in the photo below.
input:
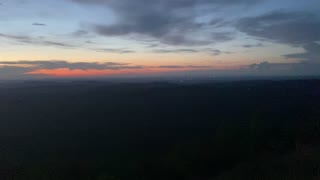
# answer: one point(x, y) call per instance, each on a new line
point(104, 131)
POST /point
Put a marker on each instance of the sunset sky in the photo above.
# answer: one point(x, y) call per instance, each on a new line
point(102, 38)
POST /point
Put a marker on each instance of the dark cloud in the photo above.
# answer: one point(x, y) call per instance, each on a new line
point(164, 51)
point(89, 42)
point(21, 69)
point(252, 45)
point(312, 53)
point(35, 41)
point(70, 65)
point(16, 37)
point(292, 28)
point(214, 52)
point(80, 33)
point(159, 26)
point(119, 51)
point(180, 67)
point(222, 36)
point(168, 4)
point(12, 72)
point(183, 40)
point(287, 69)
point(169, 21)
point(25, 66)
point(217, 22)
point(53, 43)
point(261, 66)
point(39, 24)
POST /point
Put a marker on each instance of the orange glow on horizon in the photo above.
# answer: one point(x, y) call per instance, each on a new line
point(66, 72)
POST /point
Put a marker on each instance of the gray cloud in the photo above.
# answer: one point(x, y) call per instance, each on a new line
point(312, 53)
point(16, 37)
point(20, 69)
point(284, 27)
point(119, 51)
point(217, 22)
point(290, 69)
point(55, 64)
point(12, 72)
point(168, 4)
point(214, 52)
point(264, 69)
point(183, 40)
point(164, 51)
point(163, 27)
point(292, 28)
point(164, 20)
point(261, 66)
point(38, 24)
point(180, 67)
point(35, 41)
point(222, 36)
point(252, 45)
point(80, 33)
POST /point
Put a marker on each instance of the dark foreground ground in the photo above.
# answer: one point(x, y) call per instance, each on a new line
point(266, 130)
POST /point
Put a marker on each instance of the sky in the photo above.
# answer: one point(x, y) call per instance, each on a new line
point(108, 38)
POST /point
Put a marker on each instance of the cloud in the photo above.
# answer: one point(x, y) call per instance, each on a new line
point(39, 24)
point(43, 69)
point(12, 72)
point(214, 52)
point(16, 37)
point(164, 51)
point(222, 36)
point(170, 21)
point(182, 40)
point(286, 69)
point(29, 69)
point(110, 50)
point(217, 22)
point(80, 33)
point(180, 67)
point(56, 64)
point(169, 4)
point(66, 72)
point(312, 53)
point(261, 66)
point(293, 28)
point(285, 27)
point(161, 27)
point(36, 41)
point(252, 45)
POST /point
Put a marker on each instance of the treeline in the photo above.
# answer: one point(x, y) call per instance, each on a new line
point(96, 131)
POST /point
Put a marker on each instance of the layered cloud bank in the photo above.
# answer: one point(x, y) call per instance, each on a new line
point(64, 69)
point(158, 36)
point(19, 69)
